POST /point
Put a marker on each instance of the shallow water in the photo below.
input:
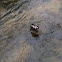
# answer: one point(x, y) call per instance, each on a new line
point(18, 44)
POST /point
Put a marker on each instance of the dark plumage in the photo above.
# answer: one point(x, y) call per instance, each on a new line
point(34, 27)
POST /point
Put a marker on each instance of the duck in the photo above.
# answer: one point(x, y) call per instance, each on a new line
point(34, 27)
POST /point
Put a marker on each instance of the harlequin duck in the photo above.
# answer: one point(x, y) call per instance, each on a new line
point(34, 28)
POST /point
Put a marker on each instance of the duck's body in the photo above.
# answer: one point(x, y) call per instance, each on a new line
point(34, 27)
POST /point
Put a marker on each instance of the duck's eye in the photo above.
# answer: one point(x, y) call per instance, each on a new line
point(37, 26)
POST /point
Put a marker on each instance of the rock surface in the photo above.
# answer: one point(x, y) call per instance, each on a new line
point(17, 43)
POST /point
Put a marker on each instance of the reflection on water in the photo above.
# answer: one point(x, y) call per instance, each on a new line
point(34, 35)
